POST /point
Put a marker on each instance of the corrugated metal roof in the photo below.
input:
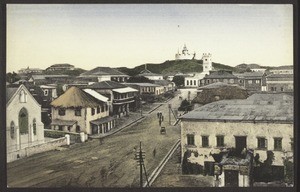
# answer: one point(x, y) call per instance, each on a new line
point(258, 107)
point(96, 95)
point(125, 90)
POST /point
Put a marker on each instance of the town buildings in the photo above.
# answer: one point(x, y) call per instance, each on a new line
point(105, 74)
point(286, 69)
point(148, 74)
point(280, 82)
point(30, 71)
point(81, 111)
point(24, 127)
point(239, 140)
point(122, 98)
point(194, 81)
point(60, 67)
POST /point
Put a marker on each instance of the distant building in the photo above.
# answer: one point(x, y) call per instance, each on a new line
point(49, 79)
point(148, 88)
point(219, 76)
point(59, 67)
point(81, 111)
point(254, 81)
point(194, 81)
point(184, 55)
point(258, 70)
point(148, 74)
point(24, 128)
point(232, 139)
point(105, 74)
point(30, 71)
point(286, 69)
point(280, 82)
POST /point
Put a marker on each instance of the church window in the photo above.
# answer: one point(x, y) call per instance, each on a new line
point(194, 82)
point(23, 97)
point(34, 126)
point(12, 130)
point(191, 82)
point(23, 121)
point(187, 82)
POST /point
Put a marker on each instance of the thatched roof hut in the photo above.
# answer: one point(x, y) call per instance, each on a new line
point(73, 98)
point(219, 91)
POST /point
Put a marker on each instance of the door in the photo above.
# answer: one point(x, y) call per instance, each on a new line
point(240, 144)
point(231, 178)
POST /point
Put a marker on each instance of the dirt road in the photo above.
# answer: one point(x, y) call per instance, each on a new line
point(91, 164)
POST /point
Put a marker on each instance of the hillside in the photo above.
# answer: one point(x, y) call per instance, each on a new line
point(173, 66)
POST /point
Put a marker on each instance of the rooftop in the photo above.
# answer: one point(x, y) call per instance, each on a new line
point(258, 107)
point(220, 74)
point(102, 71)
point(106, 85)
point(143, 84)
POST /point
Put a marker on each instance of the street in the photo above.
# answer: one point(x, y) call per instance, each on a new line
point(91, 164)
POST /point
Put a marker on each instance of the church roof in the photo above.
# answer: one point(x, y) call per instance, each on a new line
point(74, 97)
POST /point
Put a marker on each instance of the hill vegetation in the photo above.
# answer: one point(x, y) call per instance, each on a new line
point(173, 66)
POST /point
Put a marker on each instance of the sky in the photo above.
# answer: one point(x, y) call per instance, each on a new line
point(128, 35)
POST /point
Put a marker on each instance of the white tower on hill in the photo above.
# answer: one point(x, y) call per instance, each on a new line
point(207, 63)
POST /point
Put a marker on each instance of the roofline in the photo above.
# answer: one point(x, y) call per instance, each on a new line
point(28, 93)
point(239, 121)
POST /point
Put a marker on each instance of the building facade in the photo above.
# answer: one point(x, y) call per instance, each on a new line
point(24, 128)
point(280, 82)
point(233, 139)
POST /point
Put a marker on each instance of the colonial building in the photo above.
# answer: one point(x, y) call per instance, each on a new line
point(59, 67)
point(105, 74)
point(122, 99)
point(219, 76)
point(148, 74)
point(24, 128)
point(280, 82)
point(286, 69)
point(80, 111)
point(30, 71)
point(147, 88)
point(194, 80)
point(239, 141)
point(49, 79)
point(254, 81)
point(184, 55)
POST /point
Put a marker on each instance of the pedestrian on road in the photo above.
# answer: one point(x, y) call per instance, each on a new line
point(154, 152)
point(157, 114)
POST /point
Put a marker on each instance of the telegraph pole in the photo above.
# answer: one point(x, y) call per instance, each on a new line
point(170, 113)
point(140, 156)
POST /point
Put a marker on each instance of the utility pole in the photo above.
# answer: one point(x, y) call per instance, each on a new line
point(170, 113)
point(140, 156)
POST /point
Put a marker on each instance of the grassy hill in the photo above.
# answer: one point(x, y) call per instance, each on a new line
point(173, 66)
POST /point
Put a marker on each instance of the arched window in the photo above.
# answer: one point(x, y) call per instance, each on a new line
point(12, 130)
point(22, 97)
point(23, 121)
point(194, 82)
point(187, 82)
point(34, 126)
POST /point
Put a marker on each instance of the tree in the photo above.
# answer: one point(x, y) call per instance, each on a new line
point(139, 79)
point(185, 106)
point(12, 77)
point(178, 80)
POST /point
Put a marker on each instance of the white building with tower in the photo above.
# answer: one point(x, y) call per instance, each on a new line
point(194, 81)
point(184, 55)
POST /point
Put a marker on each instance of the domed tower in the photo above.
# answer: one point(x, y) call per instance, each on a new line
point(207, 63)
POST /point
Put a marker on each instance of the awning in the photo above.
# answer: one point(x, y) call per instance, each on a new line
point(102, 120)
point(96, 95)
point(63, 122)
point(125, 90)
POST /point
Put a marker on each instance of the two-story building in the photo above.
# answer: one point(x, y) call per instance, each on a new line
point(280, 82)
point(122, 99)
point(254, 81)
point(235, 140)
point(81, 111)
point(219, 76)
point(24, 127)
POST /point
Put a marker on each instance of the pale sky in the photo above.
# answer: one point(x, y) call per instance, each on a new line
point(88, 36)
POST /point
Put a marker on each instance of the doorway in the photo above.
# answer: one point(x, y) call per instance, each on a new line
point(231, 178)
point(240, 144)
